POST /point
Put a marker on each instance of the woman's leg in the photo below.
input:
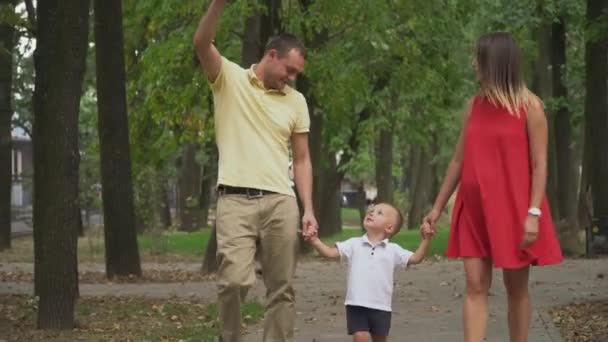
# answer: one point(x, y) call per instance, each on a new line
point(478, 273)
point(520, 309)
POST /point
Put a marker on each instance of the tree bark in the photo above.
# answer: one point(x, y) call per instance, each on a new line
point(566, 171)
point(189, 185)
point(121, 251)
point(542, 86)
point(210, 265)
point(384, 166)
point(61, 48)
point(596, 108)
point(7, 43)
point(421, 189)
point(164, 210)
point(361, 202)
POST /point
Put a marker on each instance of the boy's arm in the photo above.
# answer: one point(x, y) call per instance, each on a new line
point(323, 249)
point(419, 254)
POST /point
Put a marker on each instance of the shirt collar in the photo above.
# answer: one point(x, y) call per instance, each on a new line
point(254, 80)
point(366, 241)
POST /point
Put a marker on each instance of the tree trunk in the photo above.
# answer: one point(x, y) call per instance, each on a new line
point(7, 43)
point(421, 190)
point(210, 265)
point(189, 185)
point(122, 254)
point(384, 166)
point(361, 202)
point(596, 108)
point(327, 203)
point(585, 203)
point(61, 48)
point(208, 180)
point(542, 86)
point(80, 223)
point(566, 171)
point(164, 210)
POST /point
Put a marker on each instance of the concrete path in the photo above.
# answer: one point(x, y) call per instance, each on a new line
point(426, 305)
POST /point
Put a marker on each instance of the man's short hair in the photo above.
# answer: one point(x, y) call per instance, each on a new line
point(284, 43)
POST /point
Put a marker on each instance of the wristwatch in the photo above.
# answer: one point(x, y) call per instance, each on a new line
point(534, 212)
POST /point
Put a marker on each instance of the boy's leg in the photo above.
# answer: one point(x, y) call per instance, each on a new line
point(279, 248)
point(236, 236)
point(380, 324)
point(357, 323)
point(361, 336)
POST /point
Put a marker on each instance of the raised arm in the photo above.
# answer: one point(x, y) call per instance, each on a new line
point(208, 55)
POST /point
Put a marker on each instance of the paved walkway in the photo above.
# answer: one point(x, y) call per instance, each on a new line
point(427, 301)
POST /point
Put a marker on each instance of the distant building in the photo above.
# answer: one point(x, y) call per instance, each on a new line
point(22, 171)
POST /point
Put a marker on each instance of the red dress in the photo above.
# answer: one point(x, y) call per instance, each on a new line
point(494, 193)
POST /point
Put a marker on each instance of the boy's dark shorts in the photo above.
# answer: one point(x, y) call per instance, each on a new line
point(359, 318)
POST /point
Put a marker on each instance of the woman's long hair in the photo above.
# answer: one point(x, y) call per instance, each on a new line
point(499, 61)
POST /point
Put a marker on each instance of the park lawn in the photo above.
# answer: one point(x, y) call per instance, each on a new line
point(193, 244)
point(122, 319)
point(174, 246)
point(408, 239)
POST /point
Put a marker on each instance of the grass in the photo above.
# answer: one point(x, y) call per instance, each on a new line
point(159, 246)
point(351, 217)
point(408, 239)
point(122, 319)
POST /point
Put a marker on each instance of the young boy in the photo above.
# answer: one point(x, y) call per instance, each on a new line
point(372, 260)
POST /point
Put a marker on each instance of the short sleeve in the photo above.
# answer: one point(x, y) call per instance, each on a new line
point(227, 69)
point(302, 124)
point(345, 248)
point(401, 255)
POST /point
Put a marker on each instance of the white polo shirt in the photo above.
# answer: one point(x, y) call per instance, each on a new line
point(370, 271)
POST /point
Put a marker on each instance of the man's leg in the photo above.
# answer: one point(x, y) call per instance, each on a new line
point(236, 222)
point(279, 247)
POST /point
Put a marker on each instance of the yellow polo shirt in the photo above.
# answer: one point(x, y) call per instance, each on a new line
point(253, 128)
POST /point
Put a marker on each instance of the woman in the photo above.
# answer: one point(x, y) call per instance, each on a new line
point(501, 217)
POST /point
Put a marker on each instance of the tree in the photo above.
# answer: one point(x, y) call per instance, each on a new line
point(596, 103)
point(189, 189)
point(566, 173)
point(7, 43)
point(62, 35)
point(122, 255)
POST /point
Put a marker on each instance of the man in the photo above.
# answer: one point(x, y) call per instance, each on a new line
point(257, 116)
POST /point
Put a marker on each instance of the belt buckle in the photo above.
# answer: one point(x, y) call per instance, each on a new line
point(254, 193)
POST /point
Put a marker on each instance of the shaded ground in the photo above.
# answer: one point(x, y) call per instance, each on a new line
point(583, 322)
point(120, 319)
point(426, 307)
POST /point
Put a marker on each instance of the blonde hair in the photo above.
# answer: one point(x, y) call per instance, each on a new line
point(499, 62)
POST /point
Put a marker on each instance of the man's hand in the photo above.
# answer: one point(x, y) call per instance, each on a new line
point(530, 231)
point(309, 225)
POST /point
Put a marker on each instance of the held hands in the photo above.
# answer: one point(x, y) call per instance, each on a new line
point(530, 231)
point(310, 227)
point(428, 227)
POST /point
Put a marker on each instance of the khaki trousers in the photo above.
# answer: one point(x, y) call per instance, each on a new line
point(272, 220)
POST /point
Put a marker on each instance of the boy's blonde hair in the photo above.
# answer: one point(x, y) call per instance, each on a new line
point(400, 220)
